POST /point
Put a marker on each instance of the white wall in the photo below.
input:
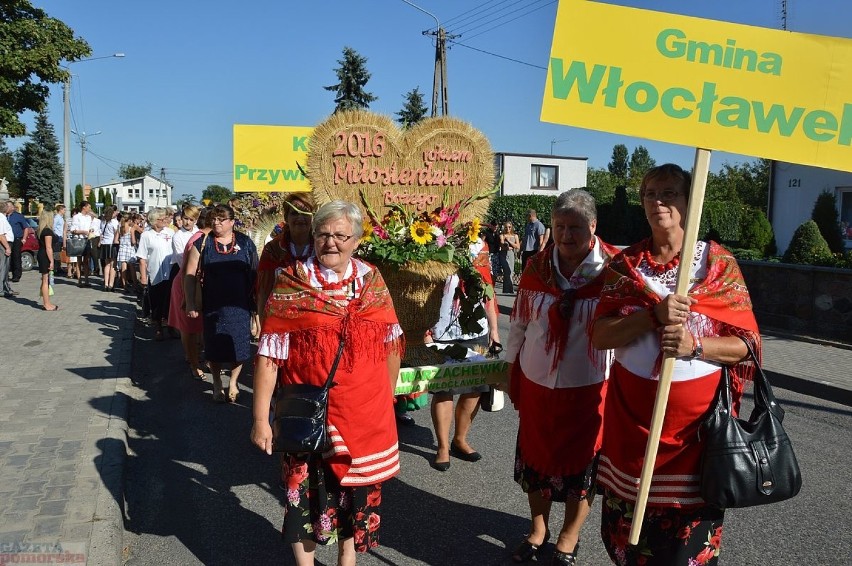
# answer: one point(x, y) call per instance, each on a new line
point(141, 194)
point(796, 190)
point(516, 169)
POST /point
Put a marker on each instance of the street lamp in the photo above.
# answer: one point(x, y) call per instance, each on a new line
point(83, 136)
point(553, 142)
point(66, 130)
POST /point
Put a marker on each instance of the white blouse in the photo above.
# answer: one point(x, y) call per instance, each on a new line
point(527, 340)
point(639, 356)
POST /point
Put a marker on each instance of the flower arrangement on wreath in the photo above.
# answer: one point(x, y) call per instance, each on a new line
point(259, 215)
point(400, 237)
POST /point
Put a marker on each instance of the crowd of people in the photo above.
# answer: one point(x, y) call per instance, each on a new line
point(588, 330)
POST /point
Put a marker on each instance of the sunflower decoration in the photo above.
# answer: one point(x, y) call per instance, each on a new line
point(473, 230)
point(421, 232)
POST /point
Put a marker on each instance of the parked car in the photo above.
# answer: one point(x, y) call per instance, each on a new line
point(29, 250)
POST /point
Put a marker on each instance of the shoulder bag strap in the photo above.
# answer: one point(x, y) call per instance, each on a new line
point(333, 370)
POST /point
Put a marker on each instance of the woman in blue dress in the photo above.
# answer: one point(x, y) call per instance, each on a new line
point(225, 264)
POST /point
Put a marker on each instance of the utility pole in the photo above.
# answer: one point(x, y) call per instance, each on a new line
point(784, 15)
point(439, 82)
point(83, 136)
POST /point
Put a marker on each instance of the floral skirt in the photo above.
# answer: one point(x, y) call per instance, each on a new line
point(318, 508)
point(555, 488)
point(670, 536)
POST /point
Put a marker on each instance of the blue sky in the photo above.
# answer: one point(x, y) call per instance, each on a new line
point(192, 69)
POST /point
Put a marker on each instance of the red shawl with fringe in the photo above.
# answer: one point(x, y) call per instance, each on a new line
point(540, 277)
point(360, 410)
point(722, 297)
point(276, 253)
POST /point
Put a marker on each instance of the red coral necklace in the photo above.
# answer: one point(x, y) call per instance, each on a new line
point(227, 249)
point(339, 284)
point(657, 267)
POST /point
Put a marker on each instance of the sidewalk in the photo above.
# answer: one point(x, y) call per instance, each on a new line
point(64, 390)
point(62, 420)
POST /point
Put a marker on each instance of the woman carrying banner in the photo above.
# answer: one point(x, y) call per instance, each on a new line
point(643, 320)
point(317, 303)
point(557, 380)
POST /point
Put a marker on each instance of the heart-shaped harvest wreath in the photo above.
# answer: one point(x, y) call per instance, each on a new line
point(365, 158)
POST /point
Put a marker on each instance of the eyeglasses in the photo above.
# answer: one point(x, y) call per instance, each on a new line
point(339, 238)
point(662, 196)
point(221, 220)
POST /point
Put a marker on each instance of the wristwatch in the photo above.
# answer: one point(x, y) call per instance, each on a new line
point(698, 349)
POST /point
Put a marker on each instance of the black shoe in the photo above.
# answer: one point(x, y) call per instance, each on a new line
point(404, 419)
point(565, 558)
point(526, 550)
point(466, 456)
point(441, 466)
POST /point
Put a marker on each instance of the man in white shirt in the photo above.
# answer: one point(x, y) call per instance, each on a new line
point(81, 227)
point(95, 244)
point(7, 236)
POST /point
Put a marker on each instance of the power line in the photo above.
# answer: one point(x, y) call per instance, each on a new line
point(499, 56)
point(508, 21)
point(492, 17)
point(461, 21)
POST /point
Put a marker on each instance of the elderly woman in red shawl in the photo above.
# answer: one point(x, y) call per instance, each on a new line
point(316, 303)
point(557, 380)
point(293, 243)
point(642, 319)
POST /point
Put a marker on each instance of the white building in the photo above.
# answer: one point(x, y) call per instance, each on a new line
point(532, 174)
point(139, 194)
point(793, 191)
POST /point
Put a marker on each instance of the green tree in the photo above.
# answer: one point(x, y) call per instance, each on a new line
point(601, 184)
point(185, 199)
point(352, 76)
point(101, 196)
point(107, 199)
point(32, 45)
point(78, 194)
point(746, 183)
point(217, 194)
point(640, 162)
point(38, 169)
point(618, 165)
point(828, 222)
point(133, 171)
point(756, 232)
point(414, 109)
point(808, 246)
point(7, 169)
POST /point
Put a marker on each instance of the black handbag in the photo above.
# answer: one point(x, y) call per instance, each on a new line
point(75, 246)
point(747, 462)
point(300, 423)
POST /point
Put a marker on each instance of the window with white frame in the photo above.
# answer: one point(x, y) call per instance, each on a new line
point(544, 177)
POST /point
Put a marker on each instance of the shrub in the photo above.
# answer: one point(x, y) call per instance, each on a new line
point(825, 216)
point(723, 219)
point(756, 231)
point(808, 247)
point(514, 209)
point(747, 254)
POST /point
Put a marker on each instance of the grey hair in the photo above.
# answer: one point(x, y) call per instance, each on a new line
point(576, 200)
point(155, 214)
point(335, 210)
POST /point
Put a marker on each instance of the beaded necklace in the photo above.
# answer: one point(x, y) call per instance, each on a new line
point(655, 266)
point(339, 284)
point(223, 248)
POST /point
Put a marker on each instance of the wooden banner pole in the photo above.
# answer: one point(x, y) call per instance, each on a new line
point(690, 237)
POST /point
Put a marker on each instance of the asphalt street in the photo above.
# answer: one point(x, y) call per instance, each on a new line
point(198, 493)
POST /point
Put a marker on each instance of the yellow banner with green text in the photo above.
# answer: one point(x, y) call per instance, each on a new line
point(704, 83)
point(450, 376)
point(266, 157)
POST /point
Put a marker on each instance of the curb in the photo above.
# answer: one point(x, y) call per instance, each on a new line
point(106, 544)
point(821, 390)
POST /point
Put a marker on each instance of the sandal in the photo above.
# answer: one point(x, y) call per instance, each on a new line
point(494, 349)
point(526, 550)
point(233, 396)
point(196, 375)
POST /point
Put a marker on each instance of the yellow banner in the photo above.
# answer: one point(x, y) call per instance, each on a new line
point(265, 158)
point(451, 376)
point(704, 83)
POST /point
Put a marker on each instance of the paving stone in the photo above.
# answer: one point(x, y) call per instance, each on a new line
point(52, 508)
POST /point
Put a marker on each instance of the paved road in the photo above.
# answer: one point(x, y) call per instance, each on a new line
point(198, 493)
